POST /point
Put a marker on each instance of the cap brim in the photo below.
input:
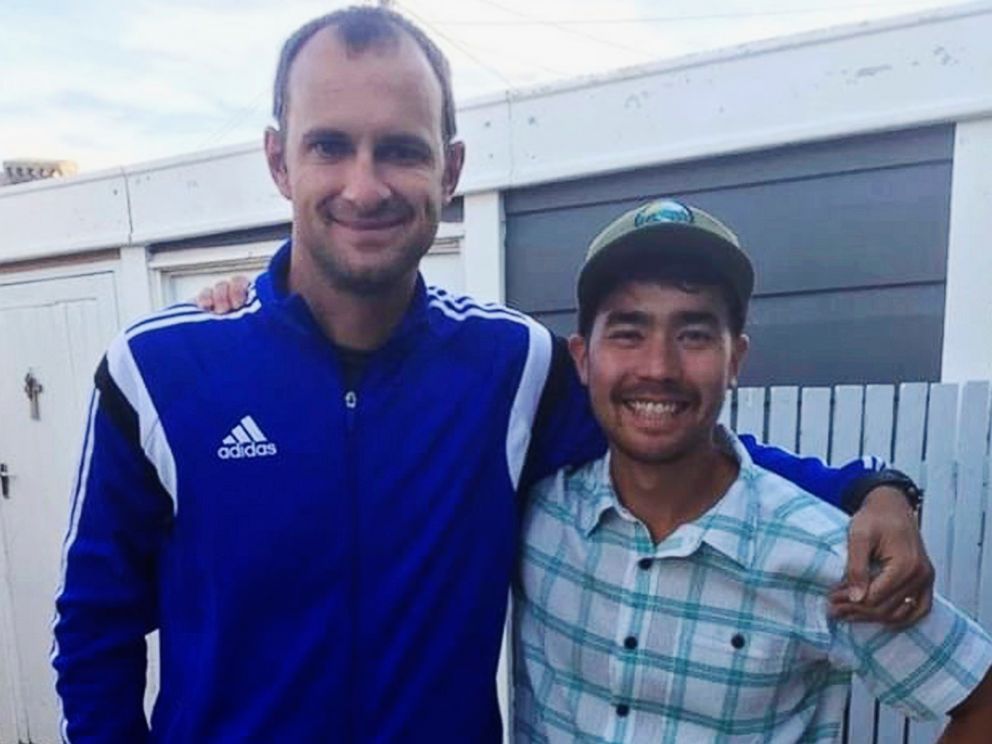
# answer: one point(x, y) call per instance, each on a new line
point(679, 243)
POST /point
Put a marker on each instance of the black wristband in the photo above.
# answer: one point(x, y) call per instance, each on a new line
point(854, 496)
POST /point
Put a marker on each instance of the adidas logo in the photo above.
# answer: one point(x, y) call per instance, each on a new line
point(245, 440)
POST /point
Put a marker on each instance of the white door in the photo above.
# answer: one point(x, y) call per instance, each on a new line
point(55, 331)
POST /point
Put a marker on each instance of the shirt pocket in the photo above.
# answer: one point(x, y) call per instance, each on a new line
point(734, 678)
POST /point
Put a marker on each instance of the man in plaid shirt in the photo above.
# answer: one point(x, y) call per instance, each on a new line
point(674, 591)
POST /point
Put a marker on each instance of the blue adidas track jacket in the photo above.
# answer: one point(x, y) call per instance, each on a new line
point(323, 564)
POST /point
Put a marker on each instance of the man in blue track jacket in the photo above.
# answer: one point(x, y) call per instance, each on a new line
point(323, 531)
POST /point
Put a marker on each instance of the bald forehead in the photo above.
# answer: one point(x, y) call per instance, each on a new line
point(327, 54)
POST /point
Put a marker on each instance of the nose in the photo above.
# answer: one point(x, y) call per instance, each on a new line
point(661, 359)
point(364, 188)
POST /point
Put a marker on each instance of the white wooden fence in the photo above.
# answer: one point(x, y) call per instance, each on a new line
point(939, 435)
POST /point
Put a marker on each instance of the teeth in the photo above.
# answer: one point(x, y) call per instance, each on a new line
point(654, 408)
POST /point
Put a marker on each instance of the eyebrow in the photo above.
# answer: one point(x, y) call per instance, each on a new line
point(405, 139)
point(699, 317)
point(323, 133)
point(627, 317)
point(399, 138)
point(641, 319)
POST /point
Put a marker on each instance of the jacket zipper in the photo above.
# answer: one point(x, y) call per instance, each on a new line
point(351, 491)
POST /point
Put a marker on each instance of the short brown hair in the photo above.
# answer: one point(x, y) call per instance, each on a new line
point(361, 27)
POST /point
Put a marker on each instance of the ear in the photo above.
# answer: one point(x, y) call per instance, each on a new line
point(579, 350)
point(738, 353)
point(275, 155)
point(454, 159)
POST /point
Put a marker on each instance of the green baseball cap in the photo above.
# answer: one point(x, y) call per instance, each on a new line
point(672, 230)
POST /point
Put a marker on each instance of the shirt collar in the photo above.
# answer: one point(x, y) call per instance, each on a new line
point(600, 496)
point(729, 527)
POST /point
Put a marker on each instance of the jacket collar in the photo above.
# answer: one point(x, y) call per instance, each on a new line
point(272, 288)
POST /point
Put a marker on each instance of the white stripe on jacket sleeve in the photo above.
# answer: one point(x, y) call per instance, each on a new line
point(527, 398)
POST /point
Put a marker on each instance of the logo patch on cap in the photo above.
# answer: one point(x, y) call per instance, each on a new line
point(663, 211)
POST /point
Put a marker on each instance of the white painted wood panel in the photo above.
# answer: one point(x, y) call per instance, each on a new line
point(908, 456)
point(56, 330)
point(938, 434)
point(751, 412)
point(814, 425)
point(973, 432)
point(783, 417)
point(877, 441)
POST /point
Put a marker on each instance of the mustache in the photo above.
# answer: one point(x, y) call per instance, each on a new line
point(652, 389)
point(387, 210)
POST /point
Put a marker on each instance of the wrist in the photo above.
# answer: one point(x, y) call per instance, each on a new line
point(884, 485)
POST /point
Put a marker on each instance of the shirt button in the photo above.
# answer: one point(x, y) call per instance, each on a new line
point(737, 641)
point(644, 563)
point(623, 709)
point(630, 642)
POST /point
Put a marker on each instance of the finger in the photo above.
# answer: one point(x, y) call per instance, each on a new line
point(238, 293)
point(923, 607)
point(879, 610)
point(205, 300)
point(900, 614)
point(922, 592)
point(901, 571)
point(857, 613)
point(858, 557)
point(222, 302)
point(839, 595)
point(852, 613)
point(904, 612)
point(892, 610)
point(895, 616)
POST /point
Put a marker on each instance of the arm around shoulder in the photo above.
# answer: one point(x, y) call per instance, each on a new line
point(883, 532)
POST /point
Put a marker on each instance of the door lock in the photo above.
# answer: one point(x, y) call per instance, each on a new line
point(4, 480)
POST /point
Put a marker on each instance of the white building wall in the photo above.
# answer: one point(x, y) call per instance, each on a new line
point(59, 217)
point(968, 310)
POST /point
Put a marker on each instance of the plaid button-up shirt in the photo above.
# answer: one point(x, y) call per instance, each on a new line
point(719, 632)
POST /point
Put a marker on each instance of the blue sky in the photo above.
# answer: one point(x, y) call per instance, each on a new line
point(110, 82)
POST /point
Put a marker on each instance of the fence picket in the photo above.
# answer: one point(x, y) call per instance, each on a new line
point(910, 428)
point(941, 425)
point(967, 527)
point(908, 457)
point(845, 445)
point(879, 404)
point(879, 401)
point(845, 439)
point(783, 417)
point(942, 412)
point(814, 424)
point(751, 412)
point(985, 578)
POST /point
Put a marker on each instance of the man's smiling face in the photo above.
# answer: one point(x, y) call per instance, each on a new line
point(657, 362)
point(362, 158)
